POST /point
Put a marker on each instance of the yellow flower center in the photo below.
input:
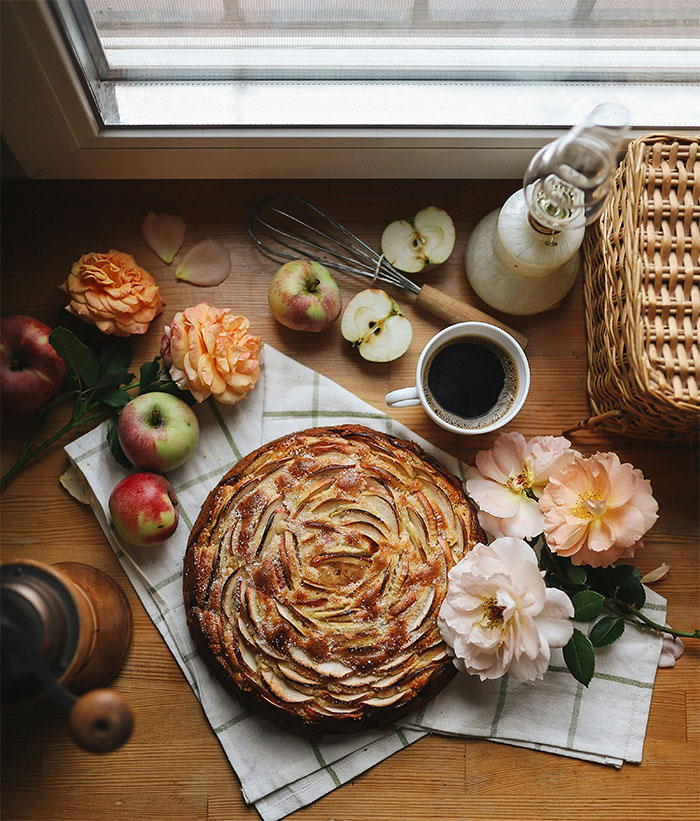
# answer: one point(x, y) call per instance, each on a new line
point(493, 613)
point(589, 505)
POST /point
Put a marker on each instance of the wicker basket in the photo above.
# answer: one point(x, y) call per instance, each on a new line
point(642, 292)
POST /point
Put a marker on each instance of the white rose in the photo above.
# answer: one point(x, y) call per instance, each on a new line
point(499, 616)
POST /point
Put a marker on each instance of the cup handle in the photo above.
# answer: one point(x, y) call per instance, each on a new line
point(402, 398)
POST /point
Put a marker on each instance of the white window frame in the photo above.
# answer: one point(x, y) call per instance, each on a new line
point(49, 124)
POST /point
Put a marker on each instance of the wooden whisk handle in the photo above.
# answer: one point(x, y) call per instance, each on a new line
point(452, 310)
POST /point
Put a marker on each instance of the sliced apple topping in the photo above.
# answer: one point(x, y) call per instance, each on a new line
point(349, 697)
point(385, 702)
point(281, 689)
point(439, 502)
point(293, 673)
point(420, 610)
point(248, 656)
point(375, 325)
point(382, 509)
point(291, 616)
point(336, 669)
point(415, 245)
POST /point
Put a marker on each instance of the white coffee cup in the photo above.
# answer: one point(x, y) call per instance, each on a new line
point(473, 331)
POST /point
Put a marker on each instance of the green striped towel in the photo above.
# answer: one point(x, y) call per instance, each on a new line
point(280, 772)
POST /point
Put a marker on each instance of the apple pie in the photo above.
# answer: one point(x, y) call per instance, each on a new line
point(315, 572)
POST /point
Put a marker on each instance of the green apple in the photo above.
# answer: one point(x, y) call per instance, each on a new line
point(373, 322)
point(415, 245)
point(158, 431)
point(304, 296)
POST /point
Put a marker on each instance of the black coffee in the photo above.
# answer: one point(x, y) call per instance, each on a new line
point(470, 382)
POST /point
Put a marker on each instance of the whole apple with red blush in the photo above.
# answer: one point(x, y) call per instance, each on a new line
point(31, 372)
point(304, 296)
point(157, 431)
point(144, 509)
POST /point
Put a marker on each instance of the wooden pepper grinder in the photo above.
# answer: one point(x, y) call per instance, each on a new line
point(66, 629)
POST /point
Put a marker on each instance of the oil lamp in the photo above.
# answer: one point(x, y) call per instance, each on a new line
point(523, 258)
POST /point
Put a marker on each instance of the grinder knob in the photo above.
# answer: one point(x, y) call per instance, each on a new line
point(101, 721)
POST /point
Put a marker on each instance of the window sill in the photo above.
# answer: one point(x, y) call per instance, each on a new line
point(281, 129)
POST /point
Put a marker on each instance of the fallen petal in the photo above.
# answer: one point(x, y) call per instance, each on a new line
point(656, 575)
point(207, 263)
point(672, 649)
point(74, 482)
point(164, 234)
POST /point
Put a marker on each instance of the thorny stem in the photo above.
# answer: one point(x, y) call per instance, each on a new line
point(662, 628)
point(629, 609)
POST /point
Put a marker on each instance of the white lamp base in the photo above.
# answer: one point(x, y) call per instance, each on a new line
point(501, 286)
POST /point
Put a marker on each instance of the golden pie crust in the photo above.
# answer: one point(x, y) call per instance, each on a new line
point(315, 572)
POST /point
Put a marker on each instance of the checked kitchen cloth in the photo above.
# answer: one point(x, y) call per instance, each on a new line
point(280, 772)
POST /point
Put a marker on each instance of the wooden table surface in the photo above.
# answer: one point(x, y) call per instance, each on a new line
point(173, 767)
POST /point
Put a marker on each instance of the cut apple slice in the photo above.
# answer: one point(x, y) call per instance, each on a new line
point(414, 245)
point(373, 322)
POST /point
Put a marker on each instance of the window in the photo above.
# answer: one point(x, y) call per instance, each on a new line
point(285, 88)
point(385, 62)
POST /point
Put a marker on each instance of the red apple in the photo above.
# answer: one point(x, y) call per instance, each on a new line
point(144, 509)
point(158, 431)
point(31, 372)
point(304, 296)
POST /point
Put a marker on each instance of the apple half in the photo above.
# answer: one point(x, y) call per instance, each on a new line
point(414, 245)
point(373, 322)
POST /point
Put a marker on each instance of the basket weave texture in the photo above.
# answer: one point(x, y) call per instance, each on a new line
point(642, 293)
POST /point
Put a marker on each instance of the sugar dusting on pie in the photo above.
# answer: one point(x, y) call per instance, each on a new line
point(315, 571)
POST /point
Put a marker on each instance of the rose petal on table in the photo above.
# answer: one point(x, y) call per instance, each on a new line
point(207, 263)
point(672, 649)
point(656, 575)
point(74, 482)
point(164, 234)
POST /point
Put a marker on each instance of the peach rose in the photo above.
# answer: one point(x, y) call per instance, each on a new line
point(210, 353)
point(596, 510)
point(113, 292)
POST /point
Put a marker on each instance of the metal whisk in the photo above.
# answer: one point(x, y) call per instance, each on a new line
point(286, 227)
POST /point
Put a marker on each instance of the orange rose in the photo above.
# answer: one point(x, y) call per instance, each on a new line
point(113, 292)
point(210, 353)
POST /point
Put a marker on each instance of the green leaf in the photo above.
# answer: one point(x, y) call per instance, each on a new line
point(81, 360)
point(115, 355)
point(607, 630)
point(113, 379)
point(598, 579)
point(576, 574)
point(636, 596)
point(625, 576)
point(149, 372)
point(587, 605)
point(113, 442)
point(116, 398)
point(579, 656)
